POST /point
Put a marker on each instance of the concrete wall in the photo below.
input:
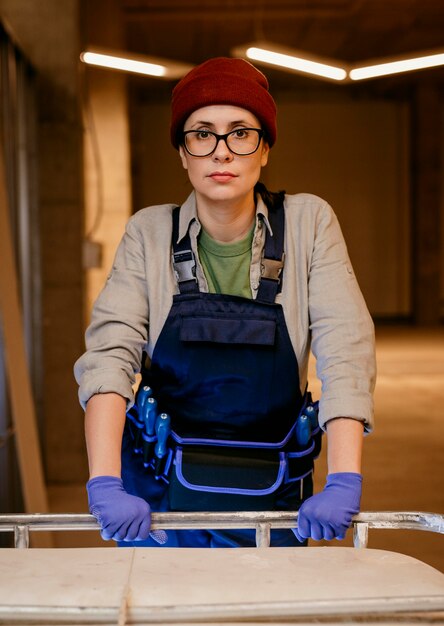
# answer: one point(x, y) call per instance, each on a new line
point(84, 189)
point(352, 153)
point(48, 32)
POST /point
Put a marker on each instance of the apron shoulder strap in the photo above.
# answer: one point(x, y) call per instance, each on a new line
point(184, 261)
point(272, 263)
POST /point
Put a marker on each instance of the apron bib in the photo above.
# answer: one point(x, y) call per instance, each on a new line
point(225, 372)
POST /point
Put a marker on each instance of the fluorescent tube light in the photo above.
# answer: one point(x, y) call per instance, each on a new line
point(299, 64)
point(331, 69)
point(134, 63)
point(396, 66)
point(292, 60)
point(120, 63)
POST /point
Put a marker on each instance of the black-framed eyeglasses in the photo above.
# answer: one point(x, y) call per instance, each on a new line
point(202, 143)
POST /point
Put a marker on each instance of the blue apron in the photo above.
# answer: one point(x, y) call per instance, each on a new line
point(225, 370)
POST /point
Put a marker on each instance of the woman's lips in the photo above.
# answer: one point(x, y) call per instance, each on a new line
point(222, 177)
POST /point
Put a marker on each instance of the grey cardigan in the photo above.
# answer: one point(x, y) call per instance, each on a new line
point(322, 303)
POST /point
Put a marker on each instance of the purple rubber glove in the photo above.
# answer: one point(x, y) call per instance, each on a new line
point(328, 514)
point(121, 516)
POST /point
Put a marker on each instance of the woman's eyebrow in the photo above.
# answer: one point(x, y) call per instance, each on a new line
point(240, 123)
point(202, 123)
point(212, 125)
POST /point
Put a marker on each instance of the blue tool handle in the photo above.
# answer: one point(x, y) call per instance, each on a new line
point(162, 432)
point(148, 450)
point(142, 396)
point(303, 430)
point(150, 416)
point(312, 413)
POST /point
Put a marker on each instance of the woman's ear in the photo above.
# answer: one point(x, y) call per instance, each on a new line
point(264, 155)
point(183, 156)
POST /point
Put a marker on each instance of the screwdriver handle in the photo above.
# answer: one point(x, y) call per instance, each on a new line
point(303, 430)
point(160, 451)
point(162, 432)
point(150, 416)
point(142, 395)
point(312, 412)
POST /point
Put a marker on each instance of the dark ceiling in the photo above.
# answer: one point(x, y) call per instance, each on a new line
point(351, 30)
point(347, 29)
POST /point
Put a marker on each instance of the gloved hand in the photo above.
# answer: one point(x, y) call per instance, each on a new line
point(122, 517)
point(328, 514)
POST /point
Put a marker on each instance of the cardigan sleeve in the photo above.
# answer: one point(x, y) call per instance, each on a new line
point(342, 331)
point(118, 330)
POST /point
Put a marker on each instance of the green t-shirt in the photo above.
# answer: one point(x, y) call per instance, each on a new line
point(226, 265)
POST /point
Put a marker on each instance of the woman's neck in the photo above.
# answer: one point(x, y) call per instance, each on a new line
point(226, 221)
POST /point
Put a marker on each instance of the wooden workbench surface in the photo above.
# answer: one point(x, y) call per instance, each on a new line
point(149, 585)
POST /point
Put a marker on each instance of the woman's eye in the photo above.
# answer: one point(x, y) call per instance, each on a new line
point(203, 134)
point(241, 133)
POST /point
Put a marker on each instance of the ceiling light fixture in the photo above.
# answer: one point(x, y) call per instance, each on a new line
point(335, 70)
point(295, 61)
point(396, 66)
point(125, 65)
point(134, 63)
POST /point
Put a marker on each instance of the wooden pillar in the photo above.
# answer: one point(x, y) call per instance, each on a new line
point(426, 206)
point(107, 171)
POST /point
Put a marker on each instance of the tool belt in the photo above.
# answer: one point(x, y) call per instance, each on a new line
point(221, 475)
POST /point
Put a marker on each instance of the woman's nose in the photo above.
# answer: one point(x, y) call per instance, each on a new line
point(222, 153)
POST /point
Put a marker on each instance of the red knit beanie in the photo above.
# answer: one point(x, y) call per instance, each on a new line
point(223, 81)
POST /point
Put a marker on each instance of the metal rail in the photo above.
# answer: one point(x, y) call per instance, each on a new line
point(262, 521)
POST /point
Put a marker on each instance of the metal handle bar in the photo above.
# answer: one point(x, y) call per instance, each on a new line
point(262, 521)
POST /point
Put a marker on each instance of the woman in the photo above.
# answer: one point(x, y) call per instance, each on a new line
point(225, 295)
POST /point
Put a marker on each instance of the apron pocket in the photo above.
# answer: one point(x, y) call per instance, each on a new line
point(225, 330)
point(211, 479)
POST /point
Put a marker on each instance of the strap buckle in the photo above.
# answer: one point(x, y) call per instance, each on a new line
point(184, 265)
point(272, 268)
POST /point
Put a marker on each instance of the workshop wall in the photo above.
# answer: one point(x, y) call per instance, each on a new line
point(48, 33)
point(352, 153)
point(362, 154)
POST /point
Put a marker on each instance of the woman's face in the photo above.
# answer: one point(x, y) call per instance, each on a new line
point(223, 176)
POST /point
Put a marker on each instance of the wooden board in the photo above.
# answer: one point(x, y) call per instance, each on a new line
point(150, 585)
point(19, 384)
